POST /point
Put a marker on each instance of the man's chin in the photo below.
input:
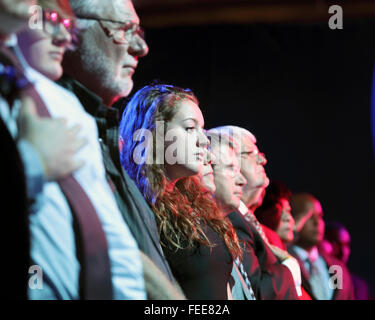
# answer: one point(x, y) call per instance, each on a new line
point(121, 91)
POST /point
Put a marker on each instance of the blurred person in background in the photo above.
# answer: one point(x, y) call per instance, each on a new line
point(338, 237)
point(323, 276)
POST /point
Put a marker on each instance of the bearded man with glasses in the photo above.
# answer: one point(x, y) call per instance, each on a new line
point(99, 72)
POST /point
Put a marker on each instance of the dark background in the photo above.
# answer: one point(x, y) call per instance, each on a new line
point(303, 89)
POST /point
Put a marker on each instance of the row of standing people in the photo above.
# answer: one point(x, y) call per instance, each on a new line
point(98, 222)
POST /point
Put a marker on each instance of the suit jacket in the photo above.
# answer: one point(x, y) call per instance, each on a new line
point(346, 293)
point(132, 205)
point(270, 279)
point(13, 206)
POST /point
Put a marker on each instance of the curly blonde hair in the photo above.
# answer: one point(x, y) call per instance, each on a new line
point(179, 214)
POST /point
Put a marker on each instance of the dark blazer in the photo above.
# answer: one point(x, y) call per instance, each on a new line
point(270, 279)
point(133, 207)
point(203, 272)
point(346, 293)
point(15, 253)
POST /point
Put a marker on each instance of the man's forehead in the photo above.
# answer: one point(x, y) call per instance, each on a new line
point(224, 155)
point(121, 10)
point(246, 143)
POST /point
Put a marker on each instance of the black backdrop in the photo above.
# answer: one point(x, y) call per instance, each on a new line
point(303, 90)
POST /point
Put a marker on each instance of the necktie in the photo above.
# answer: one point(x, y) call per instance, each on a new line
point(96, 272)
point(316, 280)
point(245, 277)
point(250, 217)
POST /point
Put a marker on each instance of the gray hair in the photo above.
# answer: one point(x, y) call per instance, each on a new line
point(84, 6)
point(219, 137)
point(237, 132)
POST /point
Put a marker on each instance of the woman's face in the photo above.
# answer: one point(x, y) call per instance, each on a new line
point(184, 142)
point(206, 175)
point(286, 225)
point(44, 51)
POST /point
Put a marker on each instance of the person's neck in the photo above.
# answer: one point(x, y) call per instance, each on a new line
point(224, 209)
point(254, 199)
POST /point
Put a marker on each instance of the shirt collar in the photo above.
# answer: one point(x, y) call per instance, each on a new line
point(92, 103)
point(313, 255)
point(302, 253)
point(11, 41)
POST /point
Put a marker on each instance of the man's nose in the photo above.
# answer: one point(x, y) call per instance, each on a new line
point(240, 180)
point(63, 37)
point(262, 159)
point(202, 140)
point(138, 46)
point(210, 158)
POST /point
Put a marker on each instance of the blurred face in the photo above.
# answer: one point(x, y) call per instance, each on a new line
point(44, 51)
point(313, 230)
point(228, 179)
point(341, 247)
point(207, 174)
point(108, 64)
point(14, 14)
point(285, 229)
point(185, 142)
point(252, 164)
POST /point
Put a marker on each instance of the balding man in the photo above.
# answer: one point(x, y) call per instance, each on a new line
point(252, 163)
point(269, 279)
point(323, 277)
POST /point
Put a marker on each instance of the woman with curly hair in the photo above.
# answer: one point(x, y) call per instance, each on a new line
point(199, 244)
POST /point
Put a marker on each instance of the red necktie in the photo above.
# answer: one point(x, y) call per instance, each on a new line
point(96, 272)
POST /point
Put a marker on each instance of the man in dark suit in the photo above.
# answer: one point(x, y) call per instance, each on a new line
point(100, 72)
point(269, 279)
point(323, 276)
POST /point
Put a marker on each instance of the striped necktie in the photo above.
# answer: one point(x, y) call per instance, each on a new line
point(245, 277)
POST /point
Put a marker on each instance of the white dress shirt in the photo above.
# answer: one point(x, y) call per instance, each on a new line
point(319, 275)
point(53, 244)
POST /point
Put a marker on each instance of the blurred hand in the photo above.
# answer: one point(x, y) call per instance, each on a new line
point(279, 253)
point(52, 139)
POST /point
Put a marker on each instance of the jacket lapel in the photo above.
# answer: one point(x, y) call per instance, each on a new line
point(304, 274)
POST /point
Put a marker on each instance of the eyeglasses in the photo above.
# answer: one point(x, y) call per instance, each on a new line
point(52, 22)
point(123, 34)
